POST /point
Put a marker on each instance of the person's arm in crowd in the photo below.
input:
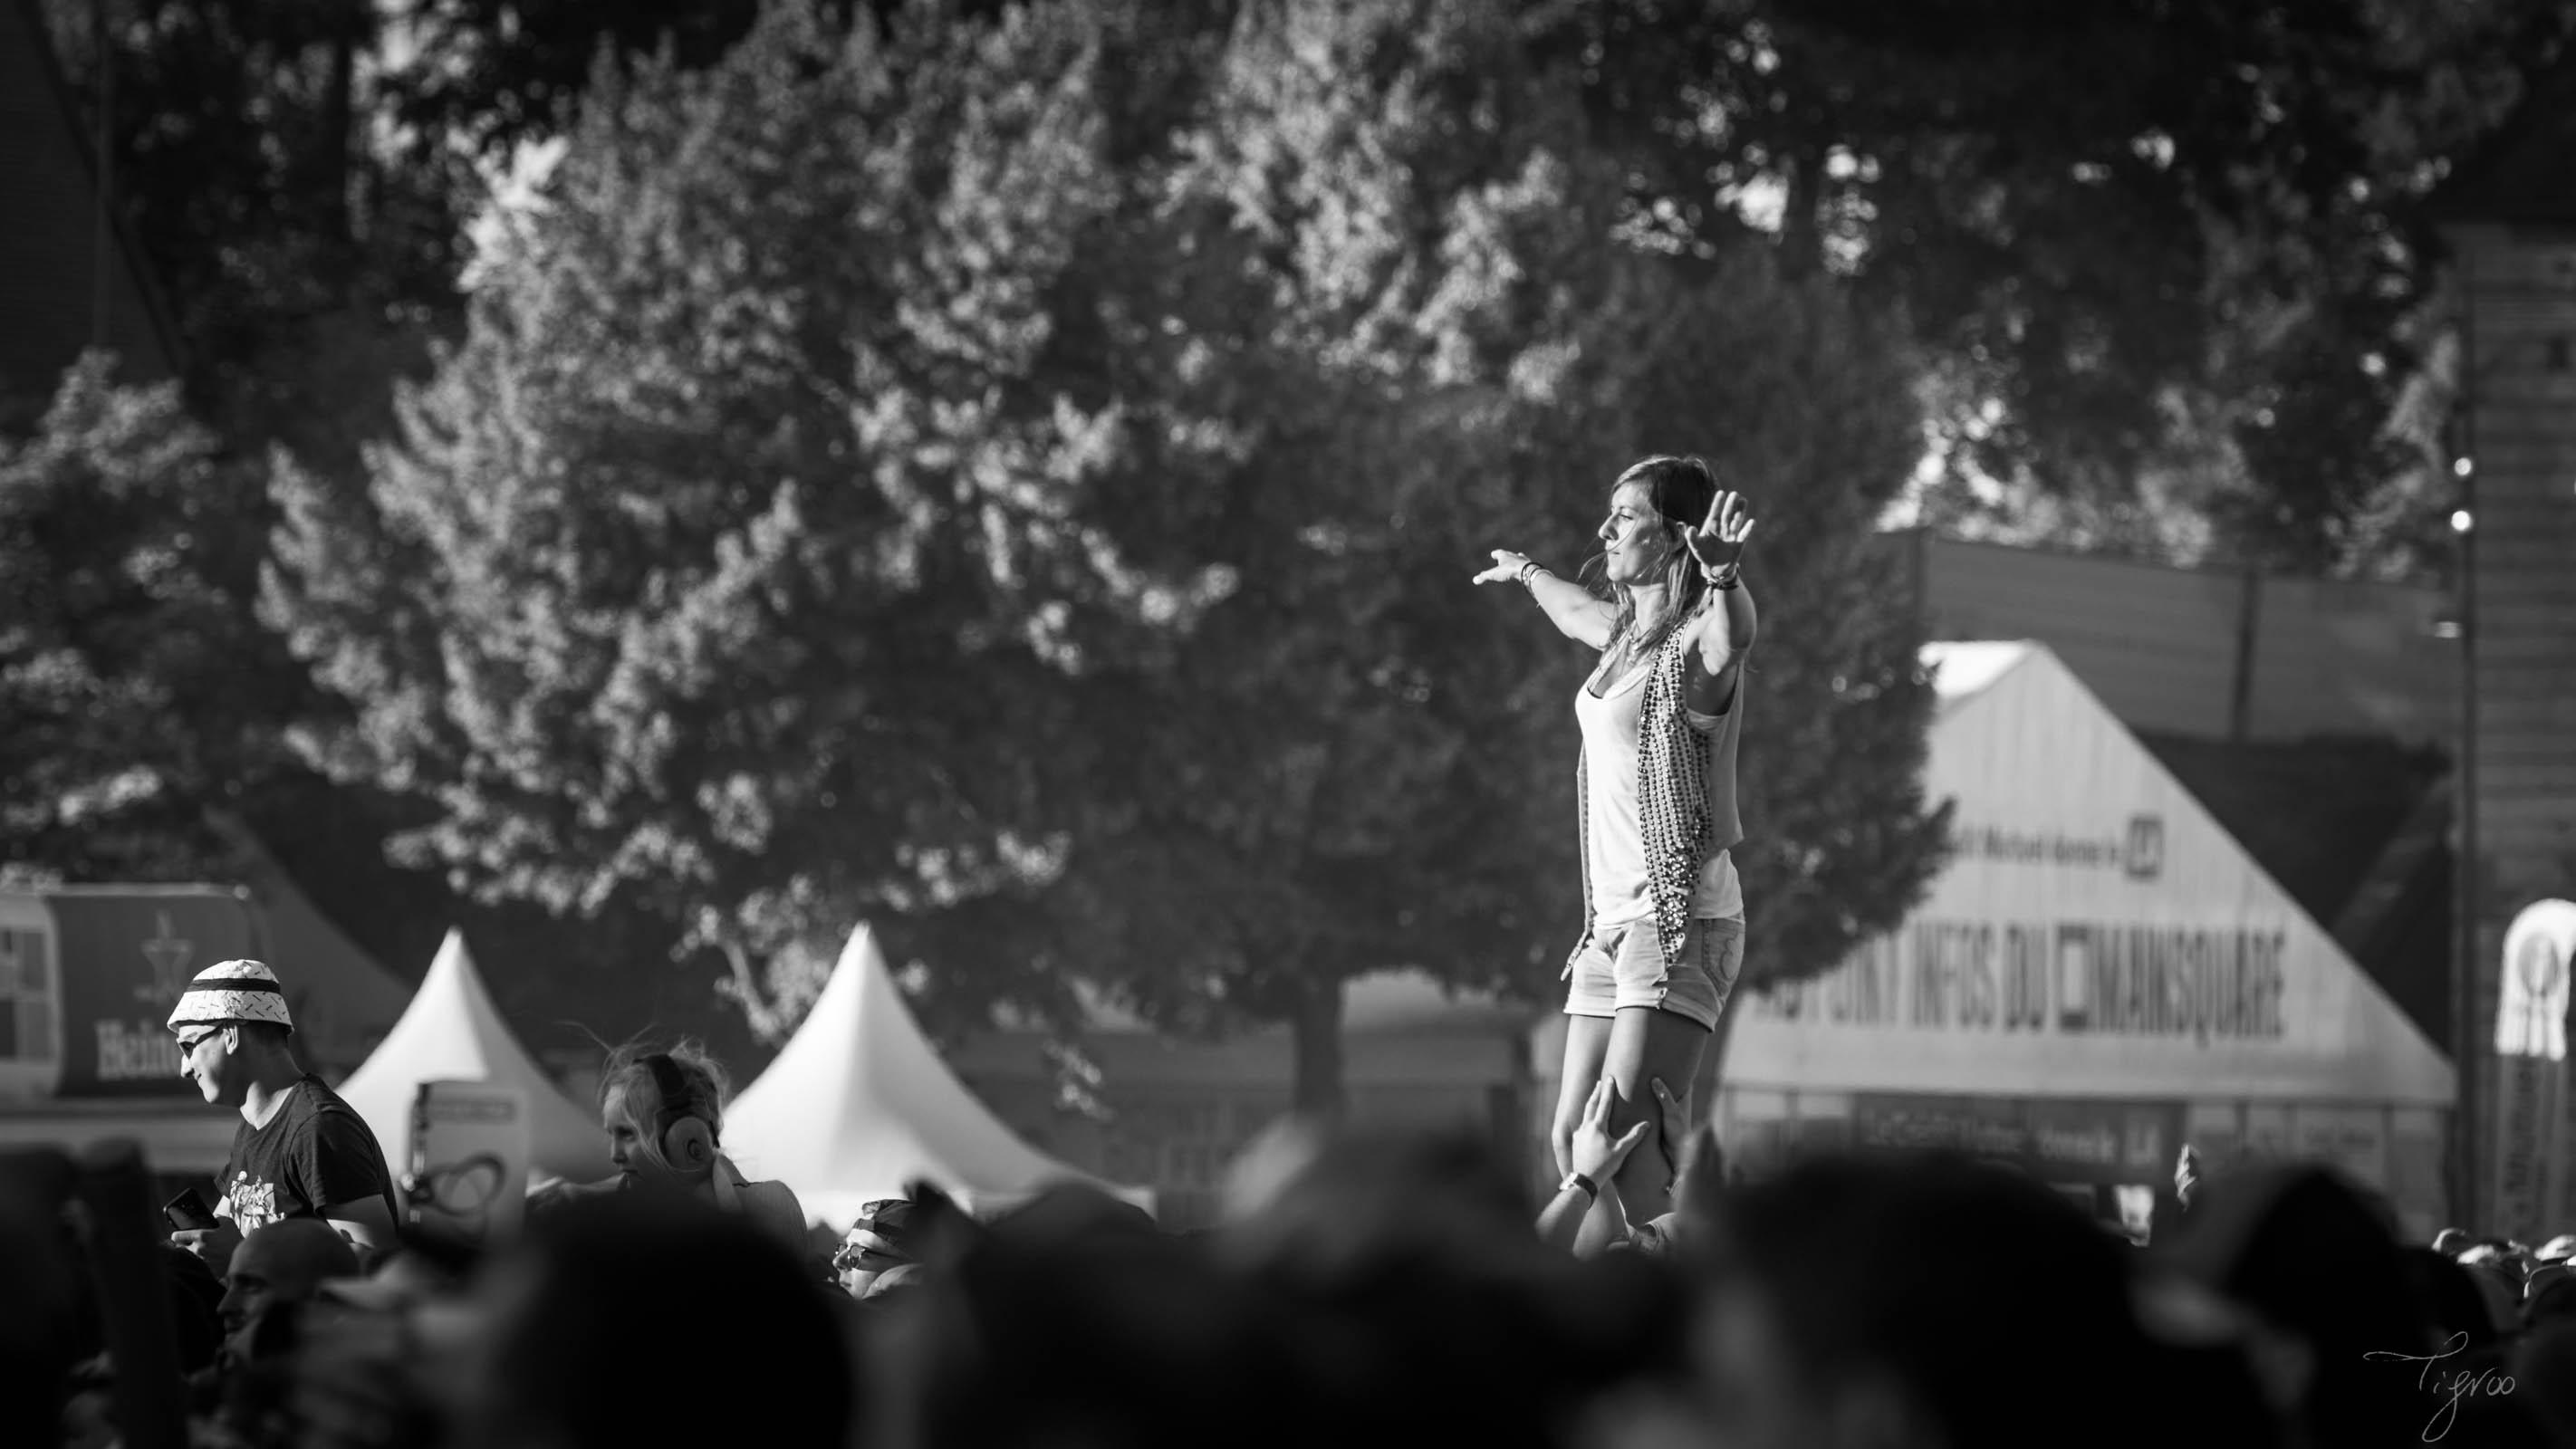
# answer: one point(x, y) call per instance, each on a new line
point(1594, 1158)
point(367, 1223)
point(342, 1172)
point(1607, 1225)
point(213, 1246)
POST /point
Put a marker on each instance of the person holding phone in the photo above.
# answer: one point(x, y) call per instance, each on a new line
point(300, 1152)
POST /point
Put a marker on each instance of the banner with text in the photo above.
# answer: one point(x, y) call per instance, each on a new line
point(105, 969)
point(2095, 931)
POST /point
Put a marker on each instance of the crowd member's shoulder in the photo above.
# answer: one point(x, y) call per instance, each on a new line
point(774, 1207)
point(552, 1196)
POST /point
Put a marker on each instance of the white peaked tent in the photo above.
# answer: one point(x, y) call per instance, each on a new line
point(859, 1103)
point(453, 1032)
point(2100, 973)
point(2096, 932)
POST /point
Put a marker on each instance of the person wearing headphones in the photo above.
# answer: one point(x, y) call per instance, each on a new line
point(663, 1111)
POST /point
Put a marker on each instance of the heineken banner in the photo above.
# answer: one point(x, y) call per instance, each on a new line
point(88, 979)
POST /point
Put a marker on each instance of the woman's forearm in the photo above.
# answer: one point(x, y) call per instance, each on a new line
point(1562, 1219)
point(1727, 628)
point(1571, 608)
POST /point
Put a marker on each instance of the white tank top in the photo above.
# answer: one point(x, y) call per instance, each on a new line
point(1615, 844)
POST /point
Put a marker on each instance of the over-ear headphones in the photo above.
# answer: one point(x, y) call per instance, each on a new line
point(687, 1142)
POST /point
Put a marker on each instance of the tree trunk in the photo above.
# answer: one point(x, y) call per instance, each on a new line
point(1802, 244)
point(1316, 1031)
point(767, 1023)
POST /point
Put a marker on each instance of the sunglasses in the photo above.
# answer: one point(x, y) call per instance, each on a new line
point(859, 1255)
point(188, 1044)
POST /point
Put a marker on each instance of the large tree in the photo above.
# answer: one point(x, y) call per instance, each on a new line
point(1406, 307)
point(727, 568)
point(303, 266)
point(995, 481)
point(129, 554)
point(304, 255)
point(2167, 260)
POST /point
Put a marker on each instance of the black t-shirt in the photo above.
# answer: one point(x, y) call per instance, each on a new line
point(316, 1152)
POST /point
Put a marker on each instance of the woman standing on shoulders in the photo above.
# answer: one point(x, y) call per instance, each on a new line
point(1663, 934)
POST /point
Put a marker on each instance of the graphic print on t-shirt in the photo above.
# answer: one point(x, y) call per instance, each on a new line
point(251, 1205)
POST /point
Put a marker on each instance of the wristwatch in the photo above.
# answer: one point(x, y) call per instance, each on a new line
point(1576, 1179)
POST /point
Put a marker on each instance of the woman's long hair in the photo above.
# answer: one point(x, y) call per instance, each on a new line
point(1682, 487)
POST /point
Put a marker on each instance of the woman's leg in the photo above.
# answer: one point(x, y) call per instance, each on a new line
point(1587, 1039)
point(1647, 1044)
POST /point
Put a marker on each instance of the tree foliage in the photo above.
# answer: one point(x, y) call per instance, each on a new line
point(1013, 472)
point(2167, 260)
point(1414, 320)
point(729, 561)
point(301, 255)
point(904, 476)
point(129, 549)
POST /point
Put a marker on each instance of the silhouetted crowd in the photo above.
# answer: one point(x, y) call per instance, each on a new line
point(1358, 1289)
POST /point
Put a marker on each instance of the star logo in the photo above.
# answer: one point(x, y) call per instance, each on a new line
point(170, 955)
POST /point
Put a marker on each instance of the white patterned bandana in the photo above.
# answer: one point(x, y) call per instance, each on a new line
point(232, 991)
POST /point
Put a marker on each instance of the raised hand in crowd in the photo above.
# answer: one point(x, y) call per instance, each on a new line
point(213, 1246)
point(1590, 1190)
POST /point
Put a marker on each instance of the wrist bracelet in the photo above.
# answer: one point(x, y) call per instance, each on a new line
point(1724, 577)
point(1576, 1179)
point(1528, 568)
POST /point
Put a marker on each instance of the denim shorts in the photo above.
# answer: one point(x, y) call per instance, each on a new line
point(1624, 966)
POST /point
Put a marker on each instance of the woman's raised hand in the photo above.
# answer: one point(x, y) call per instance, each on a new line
point(1719, 542)
point(1507, 568)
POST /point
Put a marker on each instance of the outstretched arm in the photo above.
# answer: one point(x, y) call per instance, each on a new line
point(1723, 632)
point(1569, 606)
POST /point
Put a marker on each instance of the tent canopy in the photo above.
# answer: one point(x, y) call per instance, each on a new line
point(453, 1032)
point(343, 999)
point(858, 1104)
point(2096, 932)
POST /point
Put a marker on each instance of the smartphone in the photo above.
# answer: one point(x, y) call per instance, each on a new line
point(189, 1210)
